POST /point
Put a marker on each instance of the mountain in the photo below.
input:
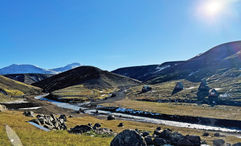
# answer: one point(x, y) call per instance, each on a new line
point(66, 68)
point(222, 57)
point(28, 78)
point(88, 76)
point(147, 72)
point(24, 69)
point(31, 69)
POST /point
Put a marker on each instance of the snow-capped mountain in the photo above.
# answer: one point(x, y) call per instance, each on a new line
point(66, 68)
point(31, 69)
point(23, 69)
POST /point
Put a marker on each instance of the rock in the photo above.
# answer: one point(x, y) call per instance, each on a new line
point(184, 142)
point(51, 122)
point(164, 134)
point(175, 137)
point(196, 140)
point(205, 134)
point(79, 129)
point(159, 141)
point(146, 88)
point(218, 142)
point(104, 131)
point(149, 140)
point(28, 113)
point(2, 108)
point(111, 117)
point(158, 128)
point(217, 134)
point(70, 116)
point(145, 134)
point(237, 144)
point(97, 125)
point(63, 117)
point(121, 125)
point(128, 138)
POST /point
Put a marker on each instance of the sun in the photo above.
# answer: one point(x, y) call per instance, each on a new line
point(213, 10)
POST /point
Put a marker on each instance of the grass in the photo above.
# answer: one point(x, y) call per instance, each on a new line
point(221, 112)
point(33, 136)
point(83, 93)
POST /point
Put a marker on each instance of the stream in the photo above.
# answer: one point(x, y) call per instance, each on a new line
point(124, 116)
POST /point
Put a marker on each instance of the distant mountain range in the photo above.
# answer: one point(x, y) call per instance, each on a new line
point(31, 69)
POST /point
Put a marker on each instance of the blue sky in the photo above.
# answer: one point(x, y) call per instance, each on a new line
point(110, 33)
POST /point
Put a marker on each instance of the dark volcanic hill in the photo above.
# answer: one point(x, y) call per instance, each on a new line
point(147, 72)
point(90, 77)
point(220, 58)
point(28, 78)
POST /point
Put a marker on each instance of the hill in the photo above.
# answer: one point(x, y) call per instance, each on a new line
point(85, 82)
point(28, 78)
point(12, 88)
point(147, 72)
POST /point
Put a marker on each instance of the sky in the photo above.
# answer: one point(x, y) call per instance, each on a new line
point(113, 33)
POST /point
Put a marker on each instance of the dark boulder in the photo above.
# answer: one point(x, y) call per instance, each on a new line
point(217, 134)
point(159, 141)
point(179, 87)
point(218, 142)
point(97, 125)
point(146, 88)
point(145, 134)
point(79, 129)
point(196, 140)
point(149, 140)
point(237, 144)
point(128, 138)
point(184, 142)
point(111, 117)
point(121, 125)
point(205, 134)
point(28, 113)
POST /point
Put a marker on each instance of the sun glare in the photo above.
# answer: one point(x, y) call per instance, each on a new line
point(213, 10)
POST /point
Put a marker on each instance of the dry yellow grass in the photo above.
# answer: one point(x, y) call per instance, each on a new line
point(32, 136)
point(222, 112)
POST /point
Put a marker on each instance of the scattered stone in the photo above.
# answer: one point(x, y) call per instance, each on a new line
point(50, 121)
point(121, 125)
point(28, 113)
point(128, 138)
point(104, 131)
point(205, 134)
point(218, 142)
point(111, 117)
point(80, 129)
point(146, 88)
point(2, 108)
